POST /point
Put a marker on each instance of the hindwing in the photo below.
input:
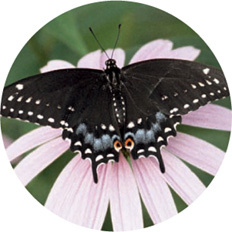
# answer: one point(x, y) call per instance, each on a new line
point(147, 129)
point(95, 133)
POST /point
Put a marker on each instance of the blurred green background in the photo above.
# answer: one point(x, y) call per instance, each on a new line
point(67, 37)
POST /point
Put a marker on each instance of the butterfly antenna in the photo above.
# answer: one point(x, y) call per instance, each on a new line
point(98, 42)
point(119, 26)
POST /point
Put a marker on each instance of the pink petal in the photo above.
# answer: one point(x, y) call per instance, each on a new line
point(152, 50)
point(97, 59)
point(185, 183)
point(184, 53)
point(56, 64)
point(39, 159)
point(125, 205)
point(6, 141)
point(119, 55)
point(77, 198)
point(197, 152)
point(31, 140)
point(163, 49)
point(154, 191)
point(209, 116)
point(91, 60)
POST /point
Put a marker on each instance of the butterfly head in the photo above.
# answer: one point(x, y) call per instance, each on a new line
point(110, 63)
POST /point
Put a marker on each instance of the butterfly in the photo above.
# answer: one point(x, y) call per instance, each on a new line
point(133, 110)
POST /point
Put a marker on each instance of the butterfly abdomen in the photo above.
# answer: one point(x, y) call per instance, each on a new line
point(119, 107)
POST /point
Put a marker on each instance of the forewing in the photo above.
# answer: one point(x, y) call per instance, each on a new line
point(48, 98)
point(177, 86)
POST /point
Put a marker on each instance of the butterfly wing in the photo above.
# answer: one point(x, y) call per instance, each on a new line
point(47, 99)
point(95, 132)
point(76, 100)
point(177, 86)
point(158, 92)
point(147, 129)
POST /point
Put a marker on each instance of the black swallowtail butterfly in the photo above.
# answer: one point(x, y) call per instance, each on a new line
point(134, 109)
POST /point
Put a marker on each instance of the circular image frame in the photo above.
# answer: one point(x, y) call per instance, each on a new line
point(106, 47)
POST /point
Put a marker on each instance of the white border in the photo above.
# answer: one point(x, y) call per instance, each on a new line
point(20, 20)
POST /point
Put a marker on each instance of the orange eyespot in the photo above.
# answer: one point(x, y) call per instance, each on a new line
point(117, 146)
point(129, 144)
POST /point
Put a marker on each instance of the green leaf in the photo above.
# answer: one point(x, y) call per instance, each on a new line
point(66, 29)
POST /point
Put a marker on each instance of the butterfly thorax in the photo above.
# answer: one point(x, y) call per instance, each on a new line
point(113, 76)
